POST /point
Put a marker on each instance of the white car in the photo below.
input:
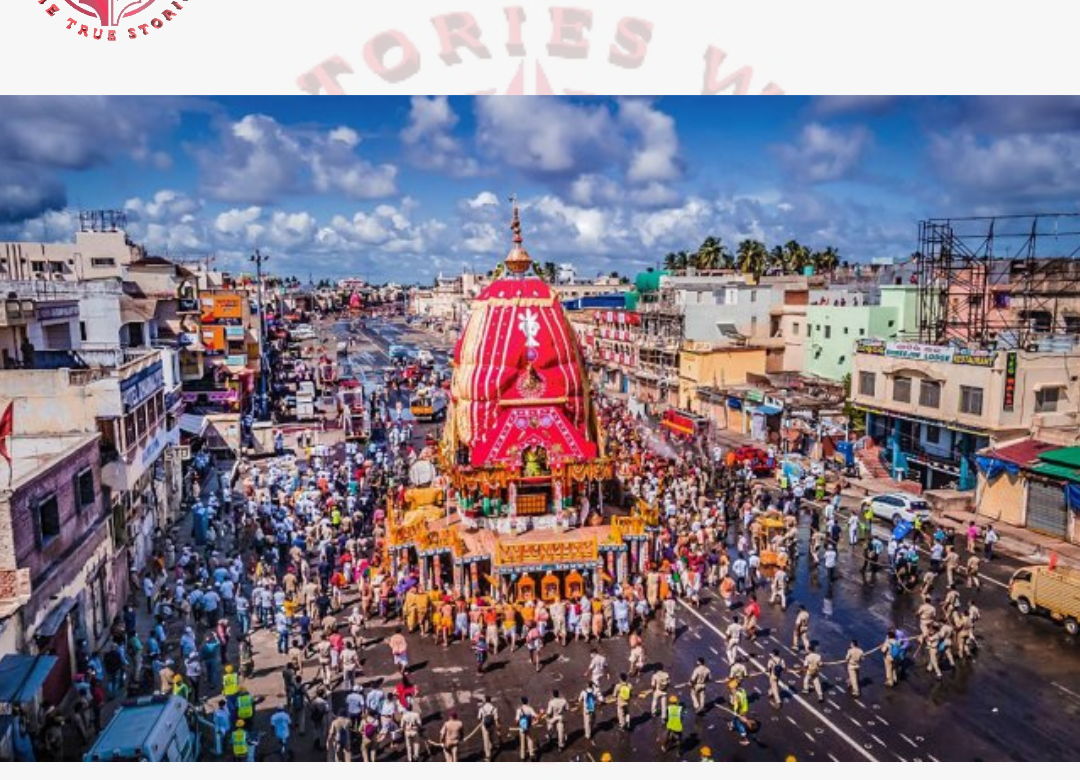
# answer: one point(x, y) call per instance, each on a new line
point(898, 506)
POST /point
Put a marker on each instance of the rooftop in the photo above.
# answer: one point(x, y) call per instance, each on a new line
point(31, 455)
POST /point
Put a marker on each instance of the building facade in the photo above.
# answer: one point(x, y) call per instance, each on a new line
point(837, 325)
point(933, 407)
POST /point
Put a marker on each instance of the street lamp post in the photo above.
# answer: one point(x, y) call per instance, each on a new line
point(264, 405)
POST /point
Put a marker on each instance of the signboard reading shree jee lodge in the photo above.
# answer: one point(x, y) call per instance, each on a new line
point(931, 353)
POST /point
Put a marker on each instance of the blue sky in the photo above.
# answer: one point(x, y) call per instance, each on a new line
point(405, 188)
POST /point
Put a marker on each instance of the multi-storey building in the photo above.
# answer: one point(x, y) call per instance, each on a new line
point(933, 407)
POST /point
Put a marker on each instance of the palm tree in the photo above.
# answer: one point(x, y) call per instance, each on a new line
point(670, 261)
point(682, 260)
point(710, 254)
point(752, 258)
point(828, 260)
point(795, 257)
point(776, 259)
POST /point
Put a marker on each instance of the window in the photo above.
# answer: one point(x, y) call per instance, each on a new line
point(1046, 400)
point(845, 331)
point(102, 262)
point(862, 331)
point(37, 266)
point(901, 389)
point(56, 268)
point(828, 331)
point(47, 519)
point(794, 329)
point(753, 296)
point(57, 336)
point(971, 400)
point(932, 433)
point(753, 324)
point(841, 360)
point(84, 490)
point(866, 382)
point(930, 394)
point(82, 331)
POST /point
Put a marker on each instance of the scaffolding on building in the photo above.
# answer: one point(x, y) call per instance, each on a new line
point(1009, 281)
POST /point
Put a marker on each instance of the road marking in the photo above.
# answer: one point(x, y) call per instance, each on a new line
point(877, 739)
point(714, 650)
point(799, 699)
point(859, 703)
point(853, 721)
point(834, 758)
point(908, 739)
point(1063, 688)
point(882, 719)
point(932, 758)
point(791, 720)
point(807, 735)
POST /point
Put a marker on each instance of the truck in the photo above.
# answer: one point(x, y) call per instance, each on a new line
point(305, 401)
point(149, 728)
point(1050, 591)
point(427, 404)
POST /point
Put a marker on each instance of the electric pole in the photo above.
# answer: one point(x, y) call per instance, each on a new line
point(264, 365)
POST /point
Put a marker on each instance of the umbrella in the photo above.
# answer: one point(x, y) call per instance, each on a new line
point(902, 529)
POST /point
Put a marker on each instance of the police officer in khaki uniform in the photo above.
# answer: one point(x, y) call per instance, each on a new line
point(812, 672)
point(801, 633)
point(927, 614)
point(973, 564)
point(889, 648)
point(555, 716)
point(933, 645)
point(659, 683)
point(852, 660)
point(952, 561)
point(699, 678)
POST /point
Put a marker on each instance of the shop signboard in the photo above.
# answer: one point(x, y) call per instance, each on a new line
point(913, 350)
point(1008, 398)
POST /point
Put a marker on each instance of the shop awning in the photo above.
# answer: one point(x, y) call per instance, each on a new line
point(1066, 456)
point(1056, 471)
point(52, 622)
point(767, 409)
point(21, 677)
point(193, 424)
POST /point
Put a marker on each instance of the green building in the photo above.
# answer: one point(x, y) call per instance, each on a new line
point(834, 329)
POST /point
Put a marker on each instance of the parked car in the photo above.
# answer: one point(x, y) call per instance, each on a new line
point(898, 507)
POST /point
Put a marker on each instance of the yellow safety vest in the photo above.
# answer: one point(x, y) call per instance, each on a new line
point(230, 684)
point(180, 689)
point(624, 692)
point(674, 717)
point(239, 743)
point(245, 706)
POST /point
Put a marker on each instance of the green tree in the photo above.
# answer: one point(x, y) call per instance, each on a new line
point(709, 256)
point(795, 257)
point(751, 258)
point(549, 272)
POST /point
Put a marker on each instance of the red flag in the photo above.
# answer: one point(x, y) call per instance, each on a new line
point(7, 427)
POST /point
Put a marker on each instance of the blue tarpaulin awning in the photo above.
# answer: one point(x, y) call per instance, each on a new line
point(768, 409)
point(21, 677)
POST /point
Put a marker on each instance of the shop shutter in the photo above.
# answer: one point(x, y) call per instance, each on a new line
point(1046, 510)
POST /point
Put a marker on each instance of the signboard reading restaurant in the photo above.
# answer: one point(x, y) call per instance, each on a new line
point(931, 353)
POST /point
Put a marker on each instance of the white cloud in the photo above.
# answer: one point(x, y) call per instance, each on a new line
point(166, 204)
point(546, 137)
point(483, 200)
point(258, 160)
point(1025, 166)
point(429, 139)
point(657, 157)
point(345, 135)
point(824, 153)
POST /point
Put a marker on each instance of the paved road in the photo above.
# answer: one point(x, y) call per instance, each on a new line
point(1018, 700)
